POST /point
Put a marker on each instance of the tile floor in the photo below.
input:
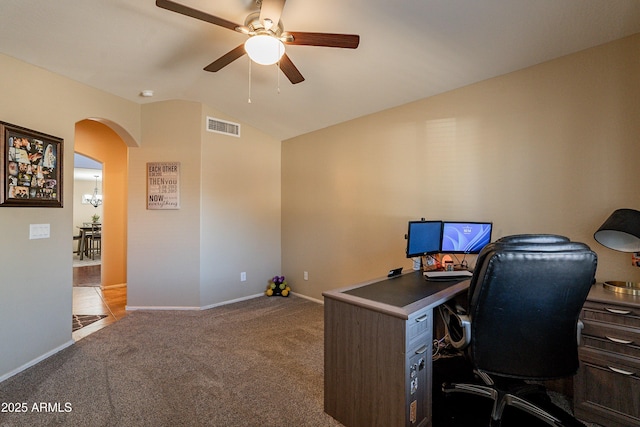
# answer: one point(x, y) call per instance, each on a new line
point(94, 300)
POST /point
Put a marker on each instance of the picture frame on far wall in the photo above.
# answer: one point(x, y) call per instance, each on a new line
point(30, 168)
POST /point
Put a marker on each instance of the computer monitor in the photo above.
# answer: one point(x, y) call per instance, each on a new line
point(423, 238)
point(465, 237)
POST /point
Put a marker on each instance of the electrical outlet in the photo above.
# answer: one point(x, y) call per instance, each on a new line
point(243, 276)
point(306, 275)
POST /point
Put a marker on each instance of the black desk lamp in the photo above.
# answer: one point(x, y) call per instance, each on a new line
point(621, 232)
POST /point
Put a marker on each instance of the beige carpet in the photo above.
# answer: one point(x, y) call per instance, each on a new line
point(254, 363)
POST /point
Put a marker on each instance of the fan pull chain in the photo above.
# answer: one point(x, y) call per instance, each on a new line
point(249, 100)
point(278, 66)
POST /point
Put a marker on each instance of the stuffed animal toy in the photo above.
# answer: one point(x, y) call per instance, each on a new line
point(278, 286)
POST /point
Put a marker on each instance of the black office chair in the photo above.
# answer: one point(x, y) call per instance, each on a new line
point(521, 325)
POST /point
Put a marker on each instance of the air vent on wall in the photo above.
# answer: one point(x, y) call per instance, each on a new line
point(223, 127)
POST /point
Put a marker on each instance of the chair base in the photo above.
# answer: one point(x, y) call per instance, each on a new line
point(528, 398)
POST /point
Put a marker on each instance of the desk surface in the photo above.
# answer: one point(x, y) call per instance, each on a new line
point(600, 294)
point(403, 290)
point(401, 295)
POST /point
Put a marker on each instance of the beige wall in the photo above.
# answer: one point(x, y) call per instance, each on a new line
point(240, 224)
point(228, 222)
point(36, 283)
point(96, 140)
point(552, 148)
point(163, 247)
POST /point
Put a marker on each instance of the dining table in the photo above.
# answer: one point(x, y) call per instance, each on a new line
point(86, 231)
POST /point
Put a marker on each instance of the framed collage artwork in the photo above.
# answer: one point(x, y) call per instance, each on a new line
point(31, 168)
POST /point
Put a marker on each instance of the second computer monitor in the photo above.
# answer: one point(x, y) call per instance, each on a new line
point(465, 237)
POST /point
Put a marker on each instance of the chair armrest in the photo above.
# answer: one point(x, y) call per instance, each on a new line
point(465, 325)
point(579, 330)
point(458, 327)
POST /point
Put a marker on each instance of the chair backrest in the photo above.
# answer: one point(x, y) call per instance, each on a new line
point(524, 305)
point(513, 239)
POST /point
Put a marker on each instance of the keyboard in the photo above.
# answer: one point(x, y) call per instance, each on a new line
point(447, 274)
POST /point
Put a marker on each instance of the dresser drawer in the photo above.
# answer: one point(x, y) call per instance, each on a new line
point(419, 323)
point(611, 313)
point(619, 376)
point(614, 362)
point(619, 339)
point(607, 386)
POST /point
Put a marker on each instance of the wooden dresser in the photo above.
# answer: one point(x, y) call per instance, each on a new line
point(607, 387)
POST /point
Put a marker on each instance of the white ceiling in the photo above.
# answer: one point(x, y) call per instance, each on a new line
point(86, 169)
point(84, 174)
point(409, 49)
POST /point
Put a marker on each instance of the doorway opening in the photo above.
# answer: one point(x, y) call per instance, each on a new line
point(100, 213)
point(87, 216)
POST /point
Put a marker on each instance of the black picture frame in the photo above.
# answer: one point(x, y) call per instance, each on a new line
point(31, 171)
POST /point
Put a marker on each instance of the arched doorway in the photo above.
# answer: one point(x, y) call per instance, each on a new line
point(102, 144)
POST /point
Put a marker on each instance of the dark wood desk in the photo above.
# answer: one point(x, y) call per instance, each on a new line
point(378, 340)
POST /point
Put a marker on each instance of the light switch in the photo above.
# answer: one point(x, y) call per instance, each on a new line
point(39, 231)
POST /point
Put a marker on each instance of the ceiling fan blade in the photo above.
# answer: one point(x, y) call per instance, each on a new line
point(347, 41)
point(290, 70)
point(271, 9)
point(226, 59)
point(186, 10)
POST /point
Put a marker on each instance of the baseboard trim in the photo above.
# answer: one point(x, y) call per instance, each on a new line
point(210, 306)
point(35, 361)
point(159, 308)
point(308, 298)
point(121, 285)
point(219, 304)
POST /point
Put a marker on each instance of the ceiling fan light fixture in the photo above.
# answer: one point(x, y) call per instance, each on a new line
point(264, 49)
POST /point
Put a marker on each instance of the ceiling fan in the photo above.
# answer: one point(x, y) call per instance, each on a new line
point(266, 37)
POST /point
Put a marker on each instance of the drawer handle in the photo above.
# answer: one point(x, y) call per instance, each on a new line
point(422, 318)
point(618, 340)
point(620, 371)
point(616, 311)
point(422, 349)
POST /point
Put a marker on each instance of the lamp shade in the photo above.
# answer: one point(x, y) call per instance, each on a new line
point(264, 49)
point(621, 231)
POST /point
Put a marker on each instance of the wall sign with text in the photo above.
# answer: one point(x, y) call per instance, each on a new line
point(163, 185)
